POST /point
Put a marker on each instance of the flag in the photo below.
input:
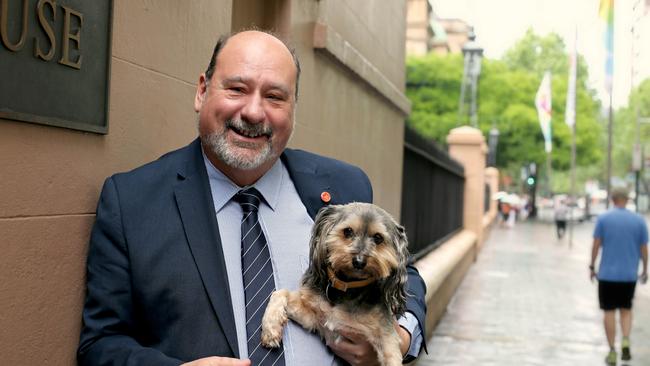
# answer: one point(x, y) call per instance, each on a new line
point(543, 104)
point(570, 110)
point(606, 13)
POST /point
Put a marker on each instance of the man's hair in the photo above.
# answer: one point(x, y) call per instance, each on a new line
point(224, 39)
point(619, 193)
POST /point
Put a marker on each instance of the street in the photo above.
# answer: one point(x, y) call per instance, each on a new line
point(528, 301)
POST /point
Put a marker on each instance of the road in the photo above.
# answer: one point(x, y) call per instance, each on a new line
point(528, 301)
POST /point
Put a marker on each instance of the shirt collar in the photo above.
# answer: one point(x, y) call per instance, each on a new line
point(268, 185)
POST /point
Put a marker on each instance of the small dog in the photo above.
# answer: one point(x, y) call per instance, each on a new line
point(356, 279)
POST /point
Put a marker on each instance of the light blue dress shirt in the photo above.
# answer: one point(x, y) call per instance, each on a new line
point(287, 228)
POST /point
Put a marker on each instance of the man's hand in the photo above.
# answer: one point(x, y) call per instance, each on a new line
point(592, 273)
point(404, 338)
point(643, 278)
point(353, 348)
point(218, 361)
point(356, 350)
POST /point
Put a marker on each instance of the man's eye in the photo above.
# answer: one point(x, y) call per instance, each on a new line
point(348, 232)
point(274, 97)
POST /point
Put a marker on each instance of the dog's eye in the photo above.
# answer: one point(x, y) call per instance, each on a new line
point(378, 239)
point(347, 232)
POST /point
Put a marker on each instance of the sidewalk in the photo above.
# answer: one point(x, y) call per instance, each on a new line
point(528, 301)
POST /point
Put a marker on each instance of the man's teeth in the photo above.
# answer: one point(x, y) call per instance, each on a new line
point(248, 134)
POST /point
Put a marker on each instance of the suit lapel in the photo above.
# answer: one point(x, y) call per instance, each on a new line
point(195, 205)
point(309, 180)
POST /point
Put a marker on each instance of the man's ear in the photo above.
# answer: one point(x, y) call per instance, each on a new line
point(201, 90)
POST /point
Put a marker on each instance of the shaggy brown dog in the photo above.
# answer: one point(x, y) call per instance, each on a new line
point(356, 280)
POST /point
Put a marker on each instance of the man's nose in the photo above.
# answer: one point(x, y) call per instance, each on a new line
point(253, 110)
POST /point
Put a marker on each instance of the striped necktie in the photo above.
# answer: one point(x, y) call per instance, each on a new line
point(257, 272)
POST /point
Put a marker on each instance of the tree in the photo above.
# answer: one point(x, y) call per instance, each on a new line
point(433, 86)
point(625, 129)
point(507, 91)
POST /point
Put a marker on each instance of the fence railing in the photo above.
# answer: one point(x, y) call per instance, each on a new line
point(432, 194)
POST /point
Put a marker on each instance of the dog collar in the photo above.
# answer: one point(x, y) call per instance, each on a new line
point(344, 286)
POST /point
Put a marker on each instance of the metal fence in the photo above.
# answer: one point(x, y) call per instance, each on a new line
point(487, 198)
point(432, 194)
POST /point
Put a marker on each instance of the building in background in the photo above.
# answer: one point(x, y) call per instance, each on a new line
point(351, 107)
point(426, 32)
point(457, 34)
point(640, 31)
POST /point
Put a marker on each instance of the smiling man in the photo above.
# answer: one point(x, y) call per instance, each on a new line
point(186, 250)
point(246, 107)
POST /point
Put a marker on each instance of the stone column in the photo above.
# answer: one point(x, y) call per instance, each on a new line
point(467, 146)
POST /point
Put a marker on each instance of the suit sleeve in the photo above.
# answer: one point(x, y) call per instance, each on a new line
point(416, 303)
point(107, 334)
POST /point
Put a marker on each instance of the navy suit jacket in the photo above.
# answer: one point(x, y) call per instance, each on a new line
point(157, 290)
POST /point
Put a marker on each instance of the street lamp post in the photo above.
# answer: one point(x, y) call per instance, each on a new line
point(472, 55)
point(493, 141)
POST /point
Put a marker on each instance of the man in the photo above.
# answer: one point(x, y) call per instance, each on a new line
point(561, 212)
point(166, 283)
point(623, 237)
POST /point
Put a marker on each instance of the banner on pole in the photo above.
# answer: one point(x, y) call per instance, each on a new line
point(543, 104)
point(570, 110)
point(606, 13)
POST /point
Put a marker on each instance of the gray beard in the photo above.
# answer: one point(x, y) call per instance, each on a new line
point(217, 144)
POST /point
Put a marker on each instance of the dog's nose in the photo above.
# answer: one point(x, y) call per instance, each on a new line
point(359, 262)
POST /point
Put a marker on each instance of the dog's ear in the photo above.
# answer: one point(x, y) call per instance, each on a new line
point(325, 220)
point(394, 287)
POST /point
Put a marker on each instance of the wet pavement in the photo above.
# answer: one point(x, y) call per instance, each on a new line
point(528, 301)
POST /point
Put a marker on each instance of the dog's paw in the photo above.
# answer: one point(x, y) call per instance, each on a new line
point(271, 338)
point(274, 319)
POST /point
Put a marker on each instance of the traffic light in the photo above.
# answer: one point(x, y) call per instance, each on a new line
point(531, 180)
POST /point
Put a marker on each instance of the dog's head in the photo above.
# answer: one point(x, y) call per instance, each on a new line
point(360, 241)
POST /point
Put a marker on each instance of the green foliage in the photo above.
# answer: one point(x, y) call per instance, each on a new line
point(433, 86)
point(506, 100)
point(536, 55)
point(626, 130)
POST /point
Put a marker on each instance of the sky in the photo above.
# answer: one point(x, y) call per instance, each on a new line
point(498, 24)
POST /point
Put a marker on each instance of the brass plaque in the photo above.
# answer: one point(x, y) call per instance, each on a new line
point(55, 62)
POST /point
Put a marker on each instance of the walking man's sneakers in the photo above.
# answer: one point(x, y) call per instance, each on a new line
point(625, 350)
point(610, 360)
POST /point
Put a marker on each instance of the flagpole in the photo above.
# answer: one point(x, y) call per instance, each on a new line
point(548, 174)
point(570, 119)
point(609, 146)
point(573, 181)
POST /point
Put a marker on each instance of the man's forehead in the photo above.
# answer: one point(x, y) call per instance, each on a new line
point(249, 42)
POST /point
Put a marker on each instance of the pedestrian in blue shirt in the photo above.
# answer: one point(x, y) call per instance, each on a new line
point(623, 236)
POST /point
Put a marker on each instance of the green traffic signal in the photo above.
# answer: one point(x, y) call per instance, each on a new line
point(530, 181)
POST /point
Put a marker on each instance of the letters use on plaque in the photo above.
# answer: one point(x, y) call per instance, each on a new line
point(55, 62)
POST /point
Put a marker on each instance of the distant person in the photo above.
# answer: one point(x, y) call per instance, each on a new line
point(560, 212)
point(523, 213)
point(623, 235)
point(505, 209)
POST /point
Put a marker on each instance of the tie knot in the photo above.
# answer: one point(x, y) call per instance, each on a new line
point(249, 199)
